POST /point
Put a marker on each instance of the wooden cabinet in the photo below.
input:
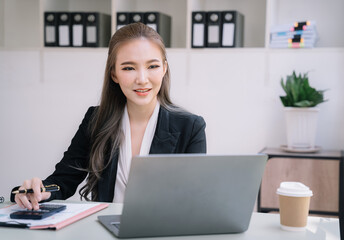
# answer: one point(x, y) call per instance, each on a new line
point(319, 171)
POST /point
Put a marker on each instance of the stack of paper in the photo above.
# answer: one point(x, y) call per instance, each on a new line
point(294, 35)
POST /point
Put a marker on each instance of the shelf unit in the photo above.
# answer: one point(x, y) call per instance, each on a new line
point(24, 28)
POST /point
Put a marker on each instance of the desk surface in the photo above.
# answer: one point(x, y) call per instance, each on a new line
point(262, 227)
point(322, 154)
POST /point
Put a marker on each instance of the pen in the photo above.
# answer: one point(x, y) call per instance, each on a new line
point(14, 224)
point(48, 188)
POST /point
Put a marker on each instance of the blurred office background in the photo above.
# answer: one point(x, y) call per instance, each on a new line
point(45, 92)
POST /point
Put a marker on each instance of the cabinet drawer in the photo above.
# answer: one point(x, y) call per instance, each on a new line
point(321, 175)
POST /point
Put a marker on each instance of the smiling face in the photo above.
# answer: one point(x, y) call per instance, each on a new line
point(139, 70)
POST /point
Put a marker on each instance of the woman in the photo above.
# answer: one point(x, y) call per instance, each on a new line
point(135, 117)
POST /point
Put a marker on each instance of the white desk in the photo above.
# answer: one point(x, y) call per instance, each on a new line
point(263, 226)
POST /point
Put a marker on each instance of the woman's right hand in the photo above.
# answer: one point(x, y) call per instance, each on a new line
point(31, 200)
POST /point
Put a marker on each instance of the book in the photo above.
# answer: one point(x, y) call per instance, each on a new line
point(292, 45)
point(294, 35)
point(296, 26)
point(286, 35)
point(72, 213)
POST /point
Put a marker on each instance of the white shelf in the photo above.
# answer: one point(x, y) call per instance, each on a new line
point(103, 6)
point(254, 12)
point(74, 49)
point(307, 50)
point(21, 21)
point(328, 15)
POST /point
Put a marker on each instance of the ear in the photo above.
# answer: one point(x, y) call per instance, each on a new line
point(165, 67)
point(113, 76)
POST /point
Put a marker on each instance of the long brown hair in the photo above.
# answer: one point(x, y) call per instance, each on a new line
point(105, 126)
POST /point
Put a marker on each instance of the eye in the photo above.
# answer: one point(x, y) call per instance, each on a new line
point(153, 66)
point(128, 68)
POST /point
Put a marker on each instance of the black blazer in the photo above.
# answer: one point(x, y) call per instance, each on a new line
point(176, 132)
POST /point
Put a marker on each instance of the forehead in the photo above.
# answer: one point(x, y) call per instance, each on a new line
point(138, 50)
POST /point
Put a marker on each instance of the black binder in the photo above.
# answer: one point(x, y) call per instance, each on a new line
point(161, 23)
point(232, 29)
point(136, 17)
point(64, 29)
point(199, 22)
point(97, 29)
point(78, 36)
point(50, 29)
point(214, 29)
point(122, 19)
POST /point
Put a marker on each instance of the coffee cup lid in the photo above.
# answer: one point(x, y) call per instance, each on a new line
point(294, 189)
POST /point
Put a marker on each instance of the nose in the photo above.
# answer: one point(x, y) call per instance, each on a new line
point(141, 77)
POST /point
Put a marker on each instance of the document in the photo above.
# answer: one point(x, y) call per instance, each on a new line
point(72, 213)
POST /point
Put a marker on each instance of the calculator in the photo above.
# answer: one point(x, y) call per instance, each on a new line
point(45, 210)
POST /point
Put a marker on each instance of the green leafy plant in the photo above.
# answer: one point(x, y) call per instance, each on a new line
point(299, 92)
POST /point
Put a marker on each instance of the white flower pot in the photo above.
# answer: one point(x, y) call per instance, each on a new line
point(301, 126)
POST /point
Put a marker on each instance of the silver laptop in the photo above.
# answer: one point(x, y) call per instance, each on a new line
point(188, 194)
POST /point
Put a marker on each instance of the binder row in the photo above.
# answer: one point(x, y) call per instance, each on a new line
point(217, 29)
point(160, 22)
point(76, 29)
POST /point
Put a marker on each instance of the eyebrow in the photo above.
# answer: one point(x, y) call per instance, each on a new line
point(133, 63)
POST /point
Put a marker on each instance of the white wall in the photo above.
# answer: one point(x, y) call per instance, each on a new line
point(44, 95)
point(325, 67)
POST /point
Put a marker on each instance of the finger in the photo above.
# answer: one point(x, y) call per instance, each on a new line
point(22, 196)
point(24, 201)
point(31, 197)
point(36, 187)
point(46, 195)
point(18, 201)
point(26, 184)
point(36, 196)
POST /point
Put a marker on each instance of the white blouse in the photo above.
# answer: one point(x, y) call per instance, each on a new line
point(125, 154)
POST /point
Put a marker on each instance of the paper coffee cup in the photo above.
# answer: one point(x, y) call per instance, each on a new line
point(294, 199)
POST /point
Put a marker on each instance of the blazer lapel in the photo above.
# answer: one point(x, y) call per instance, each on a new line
point(165, 139)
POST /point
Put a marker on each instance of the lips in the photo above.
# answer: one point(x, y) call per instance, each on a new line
point(142, 90)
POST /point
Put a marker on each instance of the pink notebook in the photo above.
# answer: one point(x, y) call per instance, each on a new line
point(73, 213)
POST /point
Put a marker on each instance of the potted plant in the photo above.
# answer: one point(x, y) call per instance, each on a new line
point(301, 112)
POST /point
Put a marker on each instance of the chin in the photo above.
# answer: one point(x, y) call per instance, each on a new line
point(144, 102)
